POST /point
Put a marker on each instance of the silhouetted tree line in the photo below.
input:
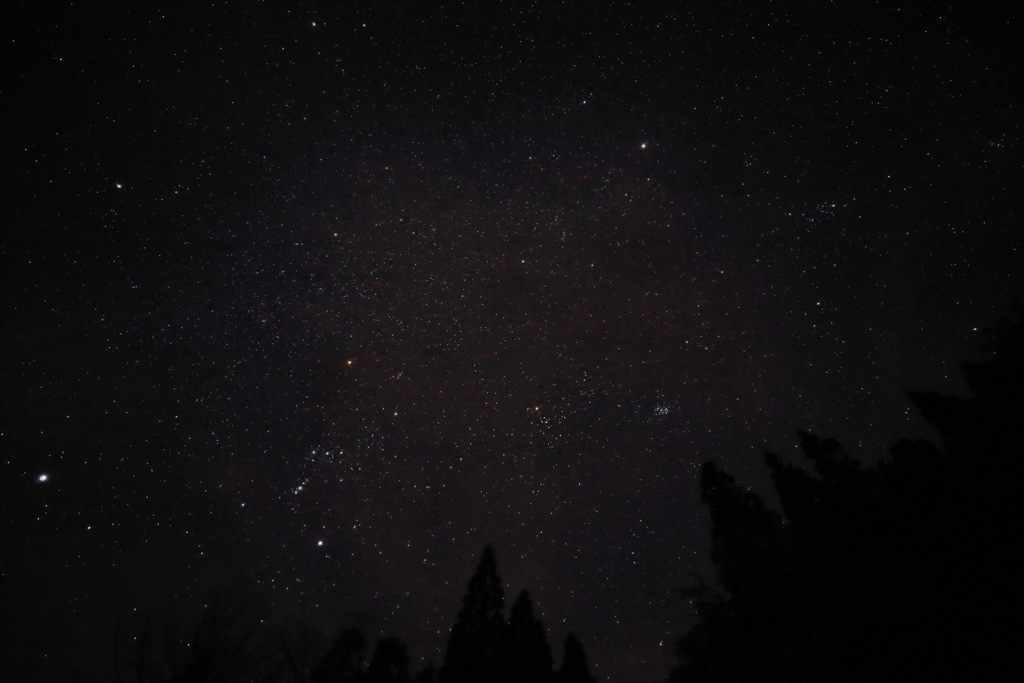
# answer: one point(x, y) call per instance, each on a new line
point(903, 570)
point(484, 647)
point(229, 642)
point(225, 642)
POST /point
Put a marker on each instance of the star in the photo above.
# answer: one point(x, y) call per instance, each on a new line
point(337, 203)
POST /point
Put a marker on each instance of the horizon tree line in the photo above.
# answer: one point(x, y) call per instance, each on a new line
point(902, 569)
point(907, 569)
point(228, 642)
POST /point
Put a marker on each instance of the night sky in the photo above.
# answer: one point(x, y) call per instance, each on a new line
point(326, 296)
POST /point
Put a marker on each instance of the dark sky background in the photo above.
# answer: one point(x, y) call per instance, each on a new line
point(325, 296)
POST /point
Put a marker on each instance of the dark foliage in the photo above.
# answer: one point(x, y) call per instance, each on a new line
point(300, 647)
point(574, 663)
point(902, 570)
point(474, 647)
point(343, 662)
point(526, 644)
point(428, 674)
point(389, 663)
point(229, 641)
point(483, 647)
point(226, 641)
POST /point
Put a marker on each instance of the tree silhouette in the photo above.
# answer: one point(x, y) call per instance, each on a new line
point(475, 644)
point(574, 663)
point(527, 652)
point(741, 529)
point(300, 647)
point(897, 570)
point(389, 663)
point(428, 674)
point(343, 662)
point(225, 641)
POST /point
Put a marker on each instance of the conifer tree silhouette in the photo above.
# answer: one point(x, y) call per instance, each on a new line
point(475, 645)
point(574, 663)
point(527, 652)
